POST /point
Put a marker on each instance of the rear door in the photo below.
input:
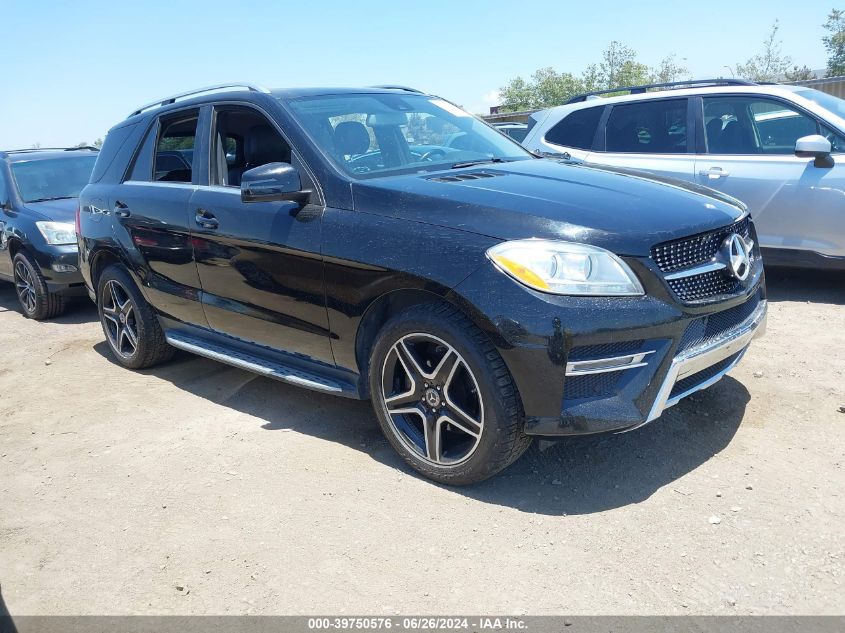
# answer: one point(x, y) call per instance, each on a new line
point(749, 153)
point(151, 215)
point(259, 262)
point(654, 135)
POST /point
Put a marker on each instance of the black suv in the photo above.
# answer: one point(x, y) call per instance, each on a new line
point(38, 252)
point(334, 239)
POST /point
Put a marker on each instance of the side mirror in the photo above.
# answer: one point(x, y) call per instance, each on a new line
point(273, 182)
point(815, 146)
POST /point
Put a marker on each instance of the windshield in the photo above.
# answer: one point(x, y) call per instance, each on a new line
point(52, 178)
point(828, 102)
point(370, 135)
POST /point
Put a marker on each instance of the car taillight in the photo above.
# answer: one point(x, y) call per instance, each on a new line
point(78, 228)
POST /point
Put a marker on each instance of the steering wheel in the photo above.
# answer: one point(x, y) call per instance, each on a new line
point(432, 153)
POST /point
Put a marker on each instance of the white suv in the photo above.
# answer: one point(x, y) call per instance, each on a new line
point(779, 149)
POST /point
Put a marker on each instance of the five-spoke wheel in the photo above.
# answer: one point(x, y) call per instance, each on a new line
point(119, 319)
point(37, 302)
point(129, 322)
point(432, 398)
point(444, 397)
point(25, 286)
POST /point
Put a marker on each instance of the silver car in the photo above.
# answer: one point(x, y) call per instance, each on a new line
point(779, 149)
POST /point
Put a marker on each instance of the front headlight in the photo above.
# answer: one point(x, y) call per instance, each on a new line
point(565, 268)
point(57, 232)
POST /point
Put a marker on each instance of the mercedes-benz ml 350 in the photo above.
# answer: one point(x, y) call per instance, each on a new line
point(383, 244)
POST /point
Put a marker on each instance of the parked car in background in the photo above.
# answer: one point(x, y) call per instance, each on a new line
point(38, 252)
point(478, 297)
point(780, 149)
point(514, 129)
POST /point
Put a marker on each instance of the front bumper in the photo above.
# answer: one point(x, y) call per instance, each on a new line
point(693, 369)
point(60, 268)
point(587, 365)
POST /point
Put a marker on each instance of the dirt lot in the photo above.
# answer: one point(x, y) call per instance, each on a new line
point(118, 488)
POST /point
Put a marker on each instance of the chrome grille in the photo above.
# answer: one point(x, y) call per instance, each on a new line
point(677, 256)
point(700, 249)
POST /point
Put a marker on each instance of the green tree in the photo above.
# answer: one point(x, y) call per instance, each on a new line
point(799, 74)
point(835, 43)
point(516, 95)
point(770, 64)
point(99, 142)
point(669, 70)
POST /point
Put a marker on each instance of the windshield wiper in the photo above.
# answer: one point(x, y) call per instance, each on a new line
point(54, 198)
point(473, 163)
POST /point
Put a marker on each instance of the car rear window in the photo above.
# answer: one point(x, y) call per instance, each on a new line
point(649, 127)
point(576, 130)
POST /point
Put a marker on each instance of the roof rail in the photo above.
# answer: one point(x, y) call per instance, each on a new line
point(49, 149)
point(671, 84)
point(172, 99)
point(395, 87)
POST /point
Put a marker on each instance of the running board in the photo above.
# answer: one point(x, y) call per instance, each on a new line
point(254, 363)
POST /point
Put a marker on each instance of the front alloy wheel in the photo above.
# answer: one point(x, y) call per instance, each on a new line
point(443, 396)
point(25, 286)
point(432, 399)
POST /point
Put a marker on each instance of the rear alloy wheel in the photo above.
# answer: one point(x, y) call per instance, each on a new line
point(119, 320)
point(129, 322)
point(36, 301)
point(443, 396)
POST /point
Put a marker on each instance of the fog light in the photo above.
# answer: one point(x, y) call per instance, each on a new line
point(63, 268)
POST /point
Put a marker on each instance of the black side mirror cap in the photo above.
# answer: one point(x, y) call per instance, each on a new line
point(273, 182)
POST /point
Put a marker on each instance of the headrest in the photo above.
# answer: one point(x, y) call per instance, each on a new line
point(351, 138)
point(263, 145)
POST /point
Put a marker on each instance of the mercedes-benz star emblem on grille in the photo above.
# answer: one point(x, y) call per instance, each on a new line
point(738, 256)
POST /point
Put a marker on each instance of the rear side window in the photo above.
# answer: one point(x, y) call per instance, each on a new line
point(577, 130)
point(174, 155)
point(653, 127)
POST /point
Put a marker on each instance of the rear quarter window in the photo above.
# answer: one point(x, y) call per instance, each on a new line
point(577, 129)
point(115, 140)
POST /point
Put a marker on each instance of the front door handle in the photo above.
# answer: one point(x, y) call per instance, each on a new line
point(714, 173)
point(121, 210)
point(206, 220)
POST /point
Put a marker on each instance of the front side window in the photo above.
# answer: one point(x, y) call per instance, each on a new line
point(648, 127)
point(243, 139)
point(576, 130)
point(45, 179)
point(750, 125)
point(174, 153)
point(369, 135)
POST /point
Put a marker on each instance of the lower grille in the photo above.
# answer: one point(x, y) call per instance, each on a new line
point(604, 350)
point(712, 325)
point(690, 382)
point(590, 386)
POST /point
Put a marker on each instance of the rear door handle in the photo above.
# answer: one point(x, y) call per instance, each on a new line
point(121, 210)
point(714, 173)
point(206, 220)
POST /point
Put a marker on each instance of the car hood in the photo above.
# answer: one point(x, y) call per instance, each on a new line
point(625, 211)
point(56, 210)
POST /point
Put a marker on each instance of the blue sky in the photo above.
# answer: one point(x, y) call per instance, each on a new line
point(74, 69)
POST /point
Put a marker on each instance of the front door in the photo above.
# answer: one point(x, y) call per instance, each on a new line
point(259, 263)
point(750, 155)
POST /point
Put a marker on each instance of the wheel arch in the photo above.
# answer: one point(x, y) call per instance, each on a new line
point(385, 308)
point(100, 260)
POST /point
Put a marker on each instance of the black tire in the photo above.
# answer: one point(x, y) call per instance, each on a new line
point(487, 386)
point(132, 330)
point(36, 301)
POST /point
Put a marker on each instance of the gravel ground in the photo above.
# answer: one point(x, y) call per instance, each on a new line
point(196, 488)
